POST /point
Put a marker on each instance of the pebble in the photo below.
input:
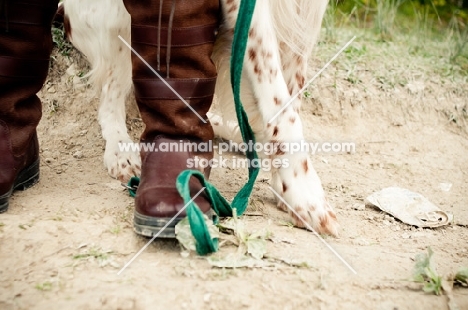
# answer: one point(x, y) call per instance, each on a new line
point(71, 70)
point(359, 207)
point(78, 82)
point(389, 218)
point(78, 154)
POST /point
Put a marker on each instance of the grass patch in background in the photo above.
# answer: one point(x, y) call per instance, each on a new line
point(432, 29)
point(407, 53)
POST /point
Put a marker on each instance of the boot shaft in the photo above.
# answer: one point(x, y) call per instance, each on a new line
point(176, 39)
point(25, 28)
point(25, 46)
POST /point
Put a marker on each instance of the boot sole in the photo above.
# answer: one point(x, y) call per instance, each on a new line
point(25, 179)
point(149, 226)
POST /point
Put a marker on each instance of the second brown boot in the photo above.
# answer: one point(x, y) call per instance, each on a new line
point(25, 46)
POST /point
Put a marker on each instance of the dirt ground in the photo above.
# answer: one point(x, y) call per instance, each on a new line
point(63, 241)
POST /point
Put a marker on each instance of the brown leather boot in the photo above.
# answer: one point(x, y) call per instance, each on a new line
point(176, 39)
point(25, 46)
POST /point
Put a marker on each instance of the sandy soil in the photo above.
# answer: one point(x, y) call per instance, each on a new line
point(64, 240)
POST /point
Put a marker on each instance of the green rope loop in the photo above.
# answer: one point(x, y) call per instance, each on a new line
point(132, 186)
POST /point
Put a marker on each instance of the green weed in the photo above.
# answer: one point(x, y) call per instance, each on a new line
point(59, 39)
point(433, 283)
point(424, 272)
point(94, 254)
point(461, 277)
point(117, 229)
point(45, 286)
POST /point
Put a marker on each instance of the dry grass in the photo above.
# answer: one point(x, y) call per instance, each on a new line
point(414, 69)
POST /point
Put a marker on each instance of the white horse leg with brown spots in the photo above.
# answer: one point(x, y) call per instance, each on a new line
point(297, 182)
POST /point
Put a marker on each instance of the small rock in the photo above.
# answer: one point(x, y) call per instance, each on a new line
point(446, 187)
point(389, 218)
point(386, 223)
point(71, 70)
point(51, 90)
point(359, 207)
point(406, 236)
point(49, 160)
point(78, 154)
point(78, 82)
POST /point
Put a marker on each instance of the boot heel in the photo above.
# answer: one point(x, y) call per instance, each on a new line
point(149, 226)
point(4, 201)
point(28, 177)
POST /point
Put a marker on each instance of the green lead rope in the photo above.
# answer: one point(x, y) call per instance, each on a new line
point(205, 244)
